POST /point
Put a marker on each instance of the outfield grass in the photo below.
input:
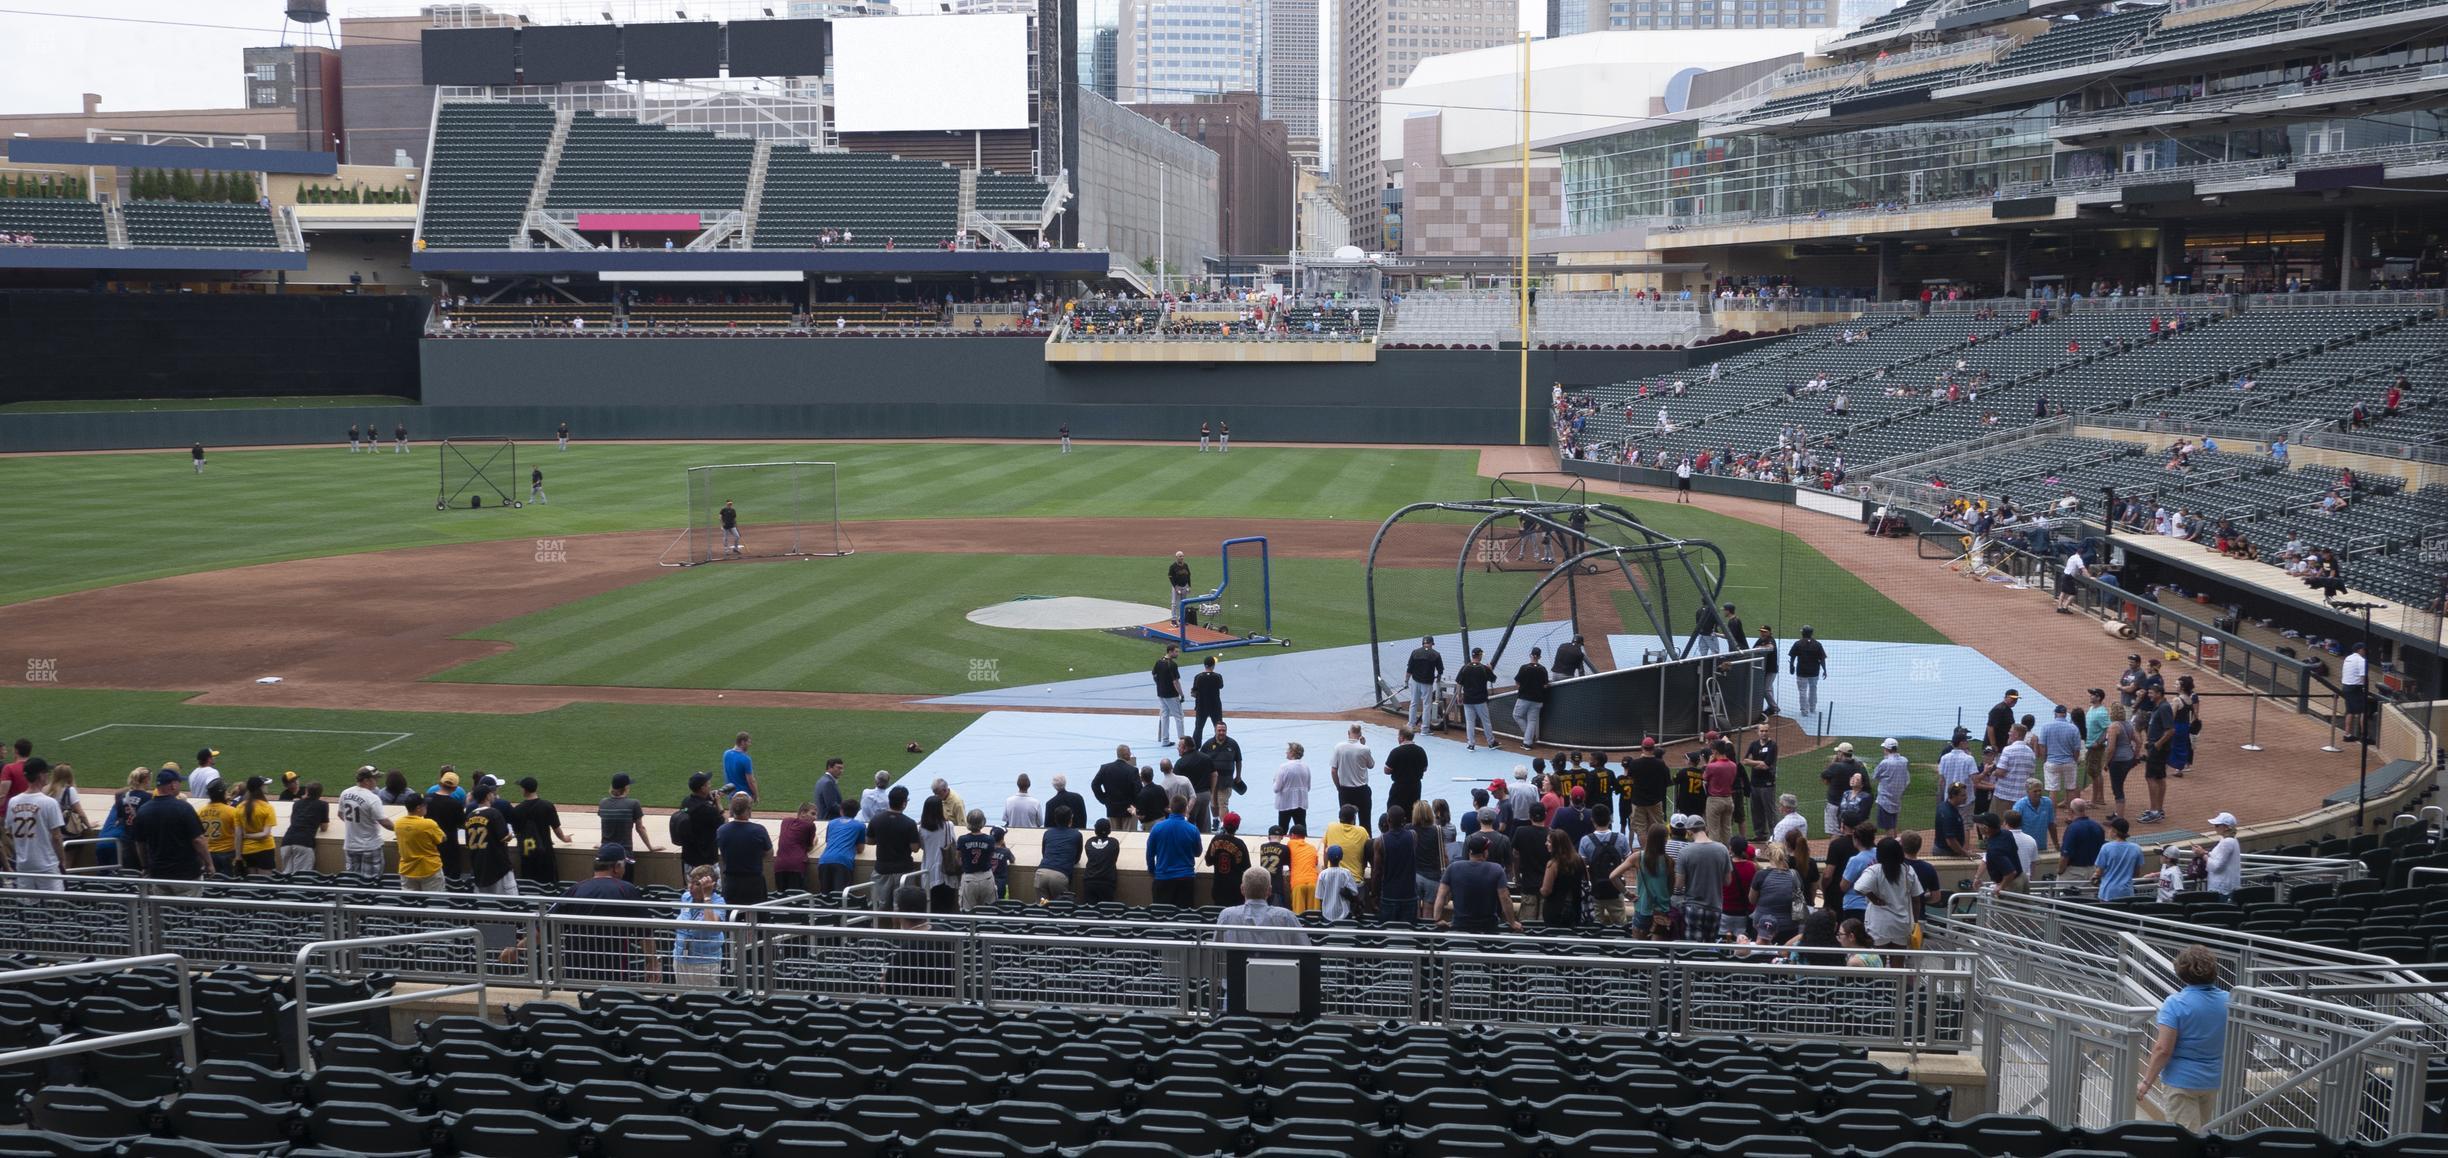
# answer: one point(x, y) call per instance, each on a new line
point(88, 405)
point(1776, 580)
point(1798, 773)
point(114, 518)
point(895, 623)
point(573, 750)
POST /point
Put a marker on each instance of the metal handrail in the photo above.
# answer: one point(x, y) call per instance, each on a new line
point(184, 1030)
point(307, 1012)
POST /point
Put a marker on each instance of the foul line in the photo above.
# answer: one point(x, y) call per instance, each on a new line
point(396, 737)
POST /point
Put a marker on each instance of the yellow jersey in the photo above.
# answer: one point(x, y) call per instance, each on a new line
point(1304, 862)
point(1354, 841)
point(220, 827)
point(420, 846)
point(260, 815)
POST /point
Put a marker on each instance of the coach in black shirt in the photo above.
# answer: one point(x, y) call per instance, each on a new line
point(1194, 766)
point(1406, 766)
point(1529, 698)
point(1116, 786)
point(1149, 803)
point(1570, 660)
point(1207, 692)
point(1167, 673)
point(1424, 669)
point(1473, 681)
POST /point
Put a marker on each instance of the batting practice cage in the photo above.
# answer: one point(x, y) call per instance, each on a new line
point(1235, 609)
point(479, 472)
point(778, 509)
point(1533, 566)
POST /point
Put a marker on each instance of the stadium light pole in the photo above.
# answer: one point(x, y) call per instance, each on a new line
point(1161, 170)
point(2365, 725)
point(1522, 286)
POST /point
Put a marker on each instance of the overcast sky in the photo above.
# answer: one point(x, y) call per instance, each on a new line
point(52, 50)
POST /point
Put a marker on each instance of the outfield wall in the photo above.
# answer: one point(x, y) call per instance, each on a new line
point(751, 388)
point(79, 344)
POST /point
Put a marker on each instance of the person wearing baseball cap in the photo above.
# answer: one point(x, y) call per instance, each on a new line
point(200, 781)
point(168, 833)
point(622, 820)
point(1475, 890)
point(1646, 780)
point(361, 826)
point(2002, 720)
point(2225, 857)
point(602, 953)
point(1838, 776)
point(1229, 856)
point(2129, 681)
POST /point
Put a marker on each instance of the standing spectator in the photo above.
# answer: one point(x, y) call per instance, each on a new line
point(1893, 777)
point(1337, 890)
point(1406, 766)
point(797, 839)
point(1530, 845)
point(1646, 782)
point(2354, 683)
point(1887, 888)
point(489, 838)
point(1021, 810)
point(2000, 858)
point(1955, 766)
point(2095, 723)
point(1602, 852)
point(837, 862)
point(698, 941)
point(445, 806)
point(1431, 853)
point(973, 852)
point(742, 846)
point(876, 797)
point(2017, 762)
point(1167, 673)
point(1066, 803)
point(1472, 682)
point(1475, 891)
point(1224, 757)
point(1838, 776)
point(2189, 1054)
point(1717, 791)
point(1702, 870)
point(603, 952)
point(1152, 802)
point(170, 836)
point(199, 782)
point(696, 822)
point(2120, 861)
point(1423, 669)
point(1347, 834)
point(1395, 866)
point(2001, 720)
point(1301, 869)
point(1760, 760)
point(828, 792)
point(537, 822)
point(1194, 776)
point(897, 845)
point(623, 821)
point(2159, 726)
point(935, 837)
point(738, 769)
point(1292, 783)
point(1349, 767)
point(1257, 916)
point(1529, 699)
point(118, 848)
point(1099, 874)
point(34, 824)
point(361, 825)
point(2225, 857)
point(1574, 818)
point(1789, 819)
point(1172, 857)
point(2060, 741)
point(2026, 845)
point(1808, 662)
point(1058, 854)
point(1953, 837)
point(2129, 682)
point(1207, 694)
point(420, 847)
point(1116, 786)
point(220, 828)
point(1652, 885)
point(2078, 850)
point(258, 838)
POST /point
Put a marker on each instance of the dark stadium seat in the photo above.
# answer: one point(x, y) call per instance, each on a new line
point(230, 1124)
point(567, 1064)
point(662, 1136)
point(511, 1134)
point(468, 1091)
point(86, 1112)
point(373, 1129)
point(2004, 1135)
point(813, 1139)
point(749, 1110)
point(365, 1087)
point(42, 1144)
point(888, 1114)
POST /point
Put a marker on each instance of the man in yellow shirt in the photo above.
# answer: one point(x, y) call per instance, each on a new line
point(220, 827)
point(1304, 869)
point(1346, 831)
point(420, 848)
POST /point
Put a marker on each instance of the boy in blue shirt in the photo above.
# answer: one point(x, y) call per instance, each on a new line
point(739, 772)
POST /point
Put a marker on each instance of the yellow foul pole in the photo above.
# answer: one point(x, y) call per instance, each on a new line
point(1522, 284)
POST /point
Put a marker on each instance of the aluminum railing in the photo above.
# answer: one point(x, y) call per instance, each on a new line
point(184, 1030)
point(1915, 1002)
point(343, 951)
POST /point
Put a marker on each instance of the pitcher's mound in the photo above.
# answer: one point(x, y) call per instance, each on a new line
point(1067, 613)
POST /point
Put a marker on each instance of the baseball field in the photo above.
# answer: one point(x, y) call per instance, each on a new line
point(145, 604)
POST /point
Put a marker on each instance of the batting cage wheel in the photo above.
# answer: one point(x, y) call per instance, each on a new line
point(477, 473)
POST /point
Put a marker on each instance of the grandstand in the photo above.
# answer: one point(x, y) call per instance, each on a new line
point(485, 159)
point(1455, 316)
point(199, 226)
point(876, 199)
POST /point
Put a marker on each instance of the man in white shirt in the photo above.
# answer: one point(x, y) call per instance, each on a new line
point(2068, 581)
point(1350, 771)
point(1021, 810)
point(2225, 858)
point(200, 781)
point(1292, 788)
point(2354, 679)
point(2024, 842)
point(879, 798)
point(34, 823)
point(1789, 818)
point(361, 825)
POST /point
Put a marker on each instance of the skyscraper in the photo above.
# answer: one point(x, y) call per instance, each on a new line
point(1378, 43)
point(1178, 50)
point(1288, 70)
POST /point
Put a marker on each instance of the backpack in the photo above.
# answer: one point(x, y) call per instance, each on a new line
point(680, 826)
point(1605, 857)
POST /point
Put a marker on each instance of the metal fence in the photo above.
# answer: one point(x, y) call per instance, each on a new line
point(183, 1029)
point(1916, 1001)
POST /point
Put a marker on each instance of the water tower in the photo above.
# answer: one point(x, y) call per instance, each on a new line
point(305, 16)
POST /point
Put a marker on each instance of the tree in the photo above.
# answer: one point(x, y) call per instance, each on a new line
point(182, 186)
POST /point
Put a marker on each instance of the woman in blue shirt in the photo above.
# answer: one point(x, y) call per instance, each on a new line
point(2188, 1059)
point(697, 944)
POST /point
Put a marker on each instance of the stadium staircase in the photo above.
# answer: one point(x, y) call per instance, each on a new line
point(755, 197)
point(549, 166)
point(114, 227)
